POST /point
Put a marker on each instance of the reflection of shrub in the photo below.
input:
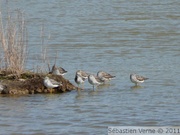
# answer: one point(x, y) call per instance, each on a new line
point(13, 40)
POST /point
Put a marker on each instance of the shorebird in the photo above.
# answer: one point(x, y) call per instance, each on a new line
point(58, 71)
point(94, 80)
point(104, 76)
point(137, 79)
point(50, 83)
point(80, 77)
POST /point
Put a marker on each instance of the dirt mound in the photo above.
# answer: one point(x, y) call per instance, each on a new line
point(32, 83)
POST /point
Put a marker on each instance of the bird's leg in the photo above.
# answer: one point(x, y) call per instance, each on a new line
point(50, 91)
point(78, 87)
point(83, 86)
point(136, 84)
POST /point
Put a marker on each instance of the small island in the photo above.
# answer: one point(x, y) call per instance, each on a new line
point(32, 83)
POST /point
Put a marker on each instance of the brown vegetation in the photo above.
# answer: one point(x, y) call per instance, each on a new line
point(13, 40)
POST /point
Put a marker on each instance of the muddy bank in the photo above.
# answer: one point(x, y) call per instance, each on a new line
point(32, 83)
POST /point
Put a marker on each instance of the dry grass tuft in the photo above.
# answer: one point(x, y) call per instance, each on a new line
point(13, 40)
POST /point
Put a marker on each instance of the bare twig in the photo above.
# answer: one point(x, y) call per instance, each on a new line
point(13, 39)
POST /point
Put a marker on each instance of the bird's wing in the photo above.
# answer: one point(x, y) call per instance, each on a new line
point(62, 69)
point(98, 79)
point(107, 75)
point(84, 74)
point(141, 78)
point(54, 82)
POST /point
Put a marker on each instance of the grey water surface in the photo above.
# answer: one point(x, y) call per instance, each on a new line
point(117, 36)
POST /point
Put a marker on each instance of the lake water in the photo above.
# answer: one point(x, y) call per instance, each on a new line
point(116, 36)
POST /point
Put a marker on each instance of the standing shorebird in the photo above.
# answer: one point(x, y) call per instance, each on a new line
point(94, 80)
point(137, 79)
point(104, 76)
point(50, 83)
point(58, 71)
point(80, 77)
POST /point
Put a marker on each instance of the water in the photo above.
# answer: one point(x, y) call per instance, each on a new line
point(117, 36)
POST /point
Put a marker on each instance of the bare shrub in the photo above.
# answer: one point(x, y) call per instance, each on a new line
point(13, 39)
